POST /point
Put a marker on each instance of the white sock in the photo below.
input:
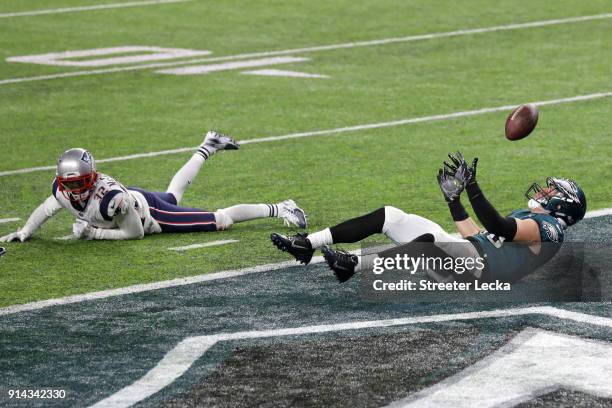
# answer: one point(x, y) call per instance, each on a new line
point(206, 151)
point(320, 238)
point(185, 176)
point(246, 212)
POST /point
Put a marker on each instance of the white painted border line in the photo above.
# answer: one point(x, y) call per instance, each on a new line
point(330, 47)
point(178, 360)
point(598, 213)
point(183, 281)
point(5, 220)
point(89, 8)
point(203, 245)
point(328, 132)
point(146, 287)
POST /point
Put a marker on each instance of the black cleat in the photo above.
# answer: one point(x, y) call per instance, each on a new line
point(297, 245)
point(341, 262)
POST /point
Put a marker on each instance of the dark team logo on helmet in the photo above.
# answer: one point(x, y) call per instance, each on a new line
point(86, 157)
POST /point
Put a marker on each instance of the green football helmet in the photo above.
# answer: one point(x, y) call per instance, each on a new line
point(566, 203)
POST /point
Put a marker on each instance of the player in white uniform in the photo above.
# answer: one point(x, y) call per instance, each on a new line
point(105, 209)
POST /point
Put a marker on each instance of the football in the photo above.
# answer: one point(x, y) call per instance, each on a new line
point(521, 122)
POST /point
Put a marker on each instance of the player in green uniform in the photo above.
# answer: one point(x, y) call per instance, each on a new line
point(535, 233)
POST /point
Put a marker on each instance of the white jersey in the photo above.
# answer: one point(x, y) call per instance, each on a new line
point(106, 200)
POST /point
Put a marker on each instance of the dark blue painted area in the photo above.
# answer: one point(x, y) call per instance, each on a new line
point(92, 349)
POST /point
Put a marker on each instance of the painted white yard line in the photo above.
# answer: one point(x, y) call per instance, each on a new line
point(329, 132)
point(182, 281)
point(5, 220)
point(203, 245)
point(146, 287)
point(283, 73)
point(178, 360)
point(330, 47)
point(89, 8)
point(205, 69)
point(65, 238)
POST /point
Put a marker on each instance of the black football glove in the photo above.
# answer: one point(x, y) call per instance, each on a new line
point(450, 186)
point(460, 170)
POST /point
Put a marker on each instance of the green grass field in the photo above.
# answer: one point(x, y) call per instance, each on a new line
point(332, 177)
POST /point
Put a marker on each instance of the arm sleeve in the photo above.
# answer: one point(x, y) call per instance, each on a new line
point(489, 216)
point(457, 210)
point(40, 215)
point(130, 227)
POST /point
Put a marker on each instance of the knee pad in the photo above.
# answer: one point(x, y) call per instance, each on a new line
point(403, 227)
point(393, 216)
point(223, 220)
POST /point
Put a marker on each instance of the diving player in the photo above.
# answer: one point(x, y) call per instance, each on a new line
point(105, 209)
point(551, 210)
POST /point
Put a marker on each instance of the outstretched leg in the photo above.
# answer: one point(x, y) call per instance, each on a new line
point(213, 142)
point(302, 246)
point(174, 218)
point(393, 222)
point(286, 210)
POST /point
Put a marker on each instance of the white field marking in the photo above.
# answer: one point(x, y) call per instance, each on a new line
point(181, 357)
point(330, 47)
point(203, 245)
point(205, 69)
point(65, 238)
point(183, 281)
point(283, 73)
point(89, 8)
point(138, 53)
point(335, 131)
point(533, 363)
point(5, 220)
point(146, 287)
point(598, 213)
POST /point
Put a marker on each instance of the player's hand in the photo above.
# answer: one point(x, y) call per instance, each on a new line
point(460, 170)
point(450, 186)
point(15, 236)
point(81, 229)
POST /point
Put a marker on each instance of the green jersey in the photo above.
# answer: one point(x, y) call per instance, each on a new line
point(511, 261)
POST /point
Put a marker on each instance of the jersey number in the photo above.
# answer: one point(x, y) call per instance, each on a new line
point(496, 240)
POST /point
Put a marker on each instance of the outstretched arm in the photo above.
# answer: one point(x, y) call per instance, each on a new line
point(451, 189)
point(39, 216)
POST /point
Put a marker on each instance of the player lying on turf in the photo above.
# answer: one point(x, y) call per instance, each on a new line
point(104, 209)
point(551, 210)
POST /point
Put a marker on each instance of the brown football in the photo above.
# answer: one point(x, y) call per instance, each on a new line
point(521, 122)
